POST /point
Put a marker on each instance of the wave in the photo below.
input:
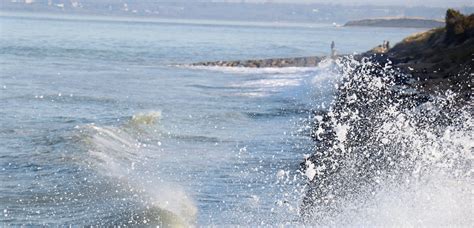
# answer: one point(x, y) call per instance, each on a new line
point(252, 70)
point(150, 216)
point(271, 82)
point(385, 156)
point(306, 84)
point(124, 154)
point(303, 85)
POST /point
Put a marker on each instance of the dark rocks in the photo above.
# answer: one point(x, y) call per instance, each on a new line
point(263, 63)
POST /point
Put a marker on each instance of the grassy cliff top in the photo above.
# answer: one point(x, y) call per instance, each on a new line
point(440, 58)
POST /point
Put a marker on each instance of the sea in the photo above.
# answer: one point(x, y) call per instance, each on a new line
point(104, 122)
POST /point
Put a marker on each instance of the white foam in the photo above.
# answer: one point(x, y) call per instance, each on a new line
point(270, 83)
point(310, 171)
point(253, 70)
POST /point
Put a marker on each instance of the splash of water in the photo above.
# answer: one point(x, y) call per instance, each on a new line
point(389, 155)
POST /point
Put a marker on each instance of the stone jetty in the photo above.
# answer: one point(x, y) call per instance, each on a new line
point(263, 63)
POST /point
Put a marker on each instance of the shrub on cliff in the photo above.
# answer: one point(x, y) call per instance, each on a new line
point(458, 27)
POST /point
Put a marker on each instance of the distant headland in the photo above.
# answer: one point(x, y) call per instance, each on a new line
point(397, 23)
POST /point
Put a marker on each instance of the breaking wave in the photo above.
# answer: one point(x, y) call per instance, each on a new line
point(388, 154)
point(125, 155)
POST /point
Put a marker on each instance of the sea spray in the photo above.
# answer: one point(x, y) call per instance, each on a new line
point(384, 148)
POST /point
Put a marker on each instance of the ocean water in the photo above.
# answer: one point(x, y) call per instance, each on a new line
point(104, 124)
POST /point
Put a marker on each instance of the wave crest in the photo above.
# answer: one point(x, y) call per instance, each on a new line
point(122, 154)
point(148, 118)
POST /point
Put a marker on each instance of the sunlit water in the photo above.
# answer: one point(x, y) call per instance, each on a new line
point(102, 125)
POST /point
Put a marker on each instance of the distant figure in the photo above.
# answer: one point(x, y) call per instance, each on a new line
point(385, 46)
point(333, 49)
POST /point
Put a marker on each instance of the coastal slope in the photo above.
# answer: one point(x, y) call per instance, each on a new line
point(440, 58)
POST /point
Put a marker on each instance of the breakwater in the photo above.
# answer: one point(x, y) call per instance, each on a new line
point(310, 61)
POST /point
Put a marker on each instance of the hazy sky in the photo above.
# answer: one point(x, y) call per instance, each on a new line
point(440, 3)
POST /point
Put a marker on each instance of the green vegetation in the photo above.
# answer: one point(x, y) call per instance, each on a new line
point(458, 27)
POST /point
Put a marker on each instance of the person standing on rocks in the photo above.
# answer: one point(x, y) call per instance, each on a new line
point(333, 49)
